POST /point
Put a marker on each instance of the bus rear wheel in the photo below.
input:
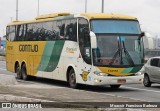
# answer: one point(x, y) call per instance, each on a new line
point(72, 79)
point(24, 72)
point(18, 72)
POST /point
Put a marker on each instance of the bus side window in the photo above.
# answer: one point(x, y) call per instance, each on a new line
point(12, 35)
point(17, 32)
point(54, 33)
point(74, 29)
point(20, 33)
point(60, 31)
point(67, 29)
point(29, 32)
point(40, 31)
point(7, 32)
point(48, 30)
point(84, 40)
point(71, 30)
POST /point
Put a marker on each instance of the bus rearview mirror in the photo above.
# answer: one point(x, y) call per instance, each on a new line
point(93, 40)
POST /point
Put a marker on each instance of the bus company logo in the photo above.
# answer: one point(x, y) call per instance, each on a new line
point(112, 70)
point(28, 48)
point(71, 50)
point(84, 75)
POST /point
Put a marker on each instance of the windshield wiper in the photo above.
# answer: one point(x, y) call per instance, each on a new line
point(118, 52)
point(128, 55)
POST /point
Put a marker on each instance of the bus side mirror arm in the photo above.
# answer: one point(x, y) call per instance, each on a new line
point(93, 40)
point(143, 34)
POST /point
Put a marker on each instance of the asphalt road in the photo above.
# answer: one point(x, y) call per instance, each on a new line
point(3, 69)
point(135, 92)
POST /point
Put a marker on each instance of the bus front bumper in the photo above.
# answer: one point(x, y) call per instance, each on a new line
point(107, 80)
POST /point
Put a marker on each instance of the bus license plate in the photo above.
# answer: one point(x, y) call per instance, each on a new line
point(121, 81)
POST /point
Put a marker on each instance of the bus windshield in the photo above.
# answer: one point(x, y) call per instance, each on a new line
point(115, 26)
point(119, 47)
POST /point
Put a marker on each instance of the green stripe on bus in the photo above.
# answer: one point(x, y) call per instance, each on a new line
point(46, 55)
point(51, 56)
point(136, 69)
point(127, 70)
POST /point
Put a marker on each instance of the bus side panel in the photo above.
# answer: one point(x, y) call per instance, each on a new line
point(9, 62)
point(34, 58)
point(73, 58)
point(51, 57)
point(34, 62)
point(70, 54)
point(9, 57)
point(27, 52)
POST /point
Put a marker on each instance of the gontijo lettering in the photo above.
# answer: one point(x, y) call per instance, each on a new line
point(28, 48)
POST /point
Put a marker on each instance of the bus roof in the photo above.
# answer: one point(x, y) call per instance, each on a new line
point(107, 16)
point(52, 15)
point(64, 15)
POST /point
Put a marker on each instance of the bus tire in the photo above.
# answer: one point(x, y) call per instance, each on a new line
point(24, 72)
point(146, 81)
point(72, 79)
point(18, 72)
point(115, 86)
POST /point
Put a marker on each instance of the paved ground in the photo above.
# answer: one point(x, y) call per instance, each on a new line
point(2, 58)
point(60, 92)
point(36, 91)
point(45, 90)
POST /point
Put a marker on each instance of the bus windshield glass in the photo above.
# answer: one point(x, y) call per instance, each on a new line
point(115, 26)
point(118, 45)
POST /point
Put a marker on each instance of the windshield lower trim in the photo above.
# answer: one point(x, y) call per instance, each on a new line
point(117, 34)
point(118, 66)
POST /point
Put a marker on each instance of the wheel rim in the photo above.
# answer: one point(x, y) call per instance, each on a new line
point(24, 72)
point(72, 79)
point(18, 72)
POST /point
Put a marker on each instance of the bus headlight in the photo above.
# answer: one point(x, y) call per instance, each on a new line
point(100, 73)
point(139, 73)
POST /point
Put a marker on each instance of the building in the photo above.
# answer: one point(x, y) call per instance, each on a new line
point(2, 45)
point(151, 46)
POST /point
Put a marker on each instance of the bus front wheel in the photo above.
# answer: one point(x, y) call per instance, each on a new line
point(115, 86)
point(24, 72)
point(72, 79)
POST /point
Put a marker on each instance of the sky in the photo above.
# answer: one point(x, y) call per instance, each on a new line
point(147, 11)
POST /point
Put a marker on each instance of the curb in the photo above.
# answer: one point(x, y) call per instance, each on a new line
point(9, 98)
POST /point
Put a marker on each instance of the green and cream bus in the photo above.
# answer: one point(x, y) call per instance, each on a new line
point(93, 49)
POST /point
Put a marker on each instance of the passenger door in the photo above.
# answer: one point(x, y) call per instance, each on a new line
point(84, 41)
point(84, 62)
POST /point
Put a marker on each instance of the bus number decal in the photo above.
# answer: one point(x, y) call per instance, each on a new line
point(10, 47)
